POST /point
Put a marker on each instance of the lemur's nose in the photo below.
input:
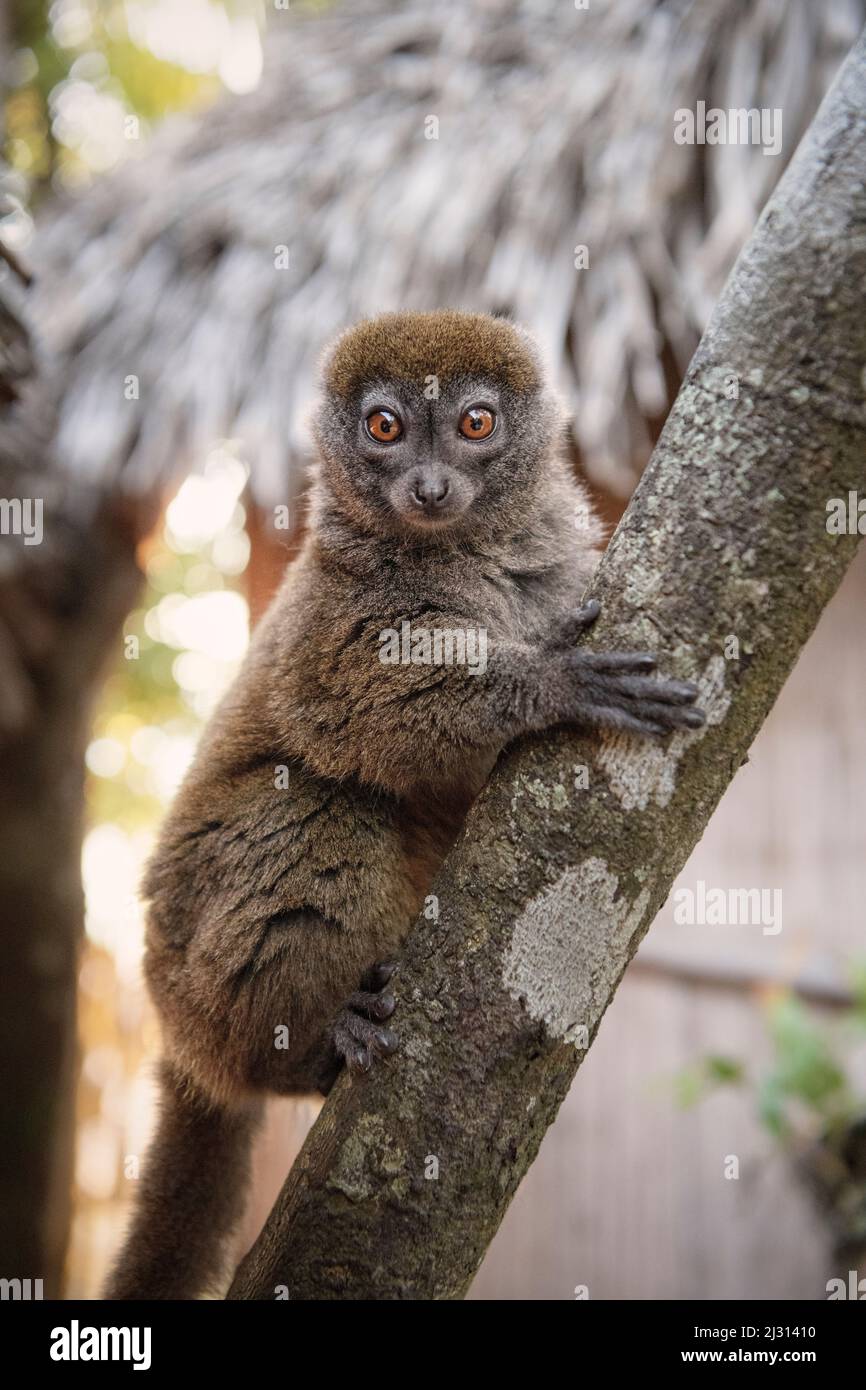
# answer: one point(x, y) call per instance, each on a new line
point(429, 491)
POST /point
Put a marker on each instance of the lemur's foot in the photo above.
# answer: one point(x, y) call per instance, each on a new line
point(614, 690)
point(357, 1036)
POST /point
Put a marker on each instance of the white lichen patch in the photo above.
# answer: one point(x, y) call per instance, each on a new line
point(568, 945)
point(644, 582)
point(640, 771)
point(547, 796)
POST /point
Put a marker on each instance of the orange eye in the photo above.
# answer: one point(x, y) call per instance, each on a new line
point(477, 423)
point(383, 426)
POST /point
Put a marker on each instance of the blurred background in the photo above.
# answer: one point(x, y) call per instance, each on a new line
point(195, 196)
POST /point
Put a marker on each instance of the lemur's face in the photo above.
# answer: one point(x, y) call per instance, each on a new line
point(434, 423)
point(427, 460)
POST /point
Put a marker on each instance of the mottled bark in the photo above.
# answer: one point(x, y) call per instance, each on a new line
point(722, 564)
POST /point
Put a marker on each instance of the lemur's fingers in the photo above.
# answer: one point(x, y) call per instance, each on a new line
point(611, 682)
point(674, 692)
point(669, 704)
point(642, 699)
point(358, 1040)
point(612, 661)
point(613, 717)
point(378, 1006)
point(376, 978)
point(669, 716)
point(629, 687)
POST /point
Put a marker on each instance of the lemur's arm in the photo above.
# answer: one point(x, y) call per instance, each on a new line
point(393, 721)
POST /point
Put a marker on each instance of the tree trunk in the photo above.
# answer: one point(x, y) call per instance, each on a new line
point(62, 600)
point(722, 564)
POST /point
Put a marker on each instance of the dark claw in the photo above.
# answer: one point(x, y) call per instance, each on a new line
point(676, 692)
point(380, 1041)
point(612, 717)
point(693, 718)
point(670, 717)
point(386, 1041)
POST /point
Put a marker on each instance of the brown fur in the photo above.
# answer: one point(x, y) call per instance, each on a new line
point(266, 904)
point(410, 347)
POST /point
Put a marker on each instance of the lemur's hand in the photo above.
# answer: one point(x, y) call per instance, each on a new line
point(614, 690)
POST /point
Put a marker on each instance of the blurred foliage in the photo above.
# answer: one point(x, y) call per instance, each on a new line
point(693, 1083)
point(150, 715)
point(173, 663)
point(807, 1073)
point(80, 68)
point(807, 1088)
point(141, 694)
point(86, 82)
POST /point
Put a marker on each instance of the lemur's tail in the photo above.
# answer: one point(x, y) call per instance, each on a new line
point(190, 1197)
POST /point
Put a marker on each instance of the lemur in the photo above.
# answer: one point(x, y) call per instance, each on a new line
point(330, 783)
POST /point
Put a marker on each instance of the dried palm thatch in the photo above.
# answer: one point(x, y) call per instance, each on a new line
point(555, 129)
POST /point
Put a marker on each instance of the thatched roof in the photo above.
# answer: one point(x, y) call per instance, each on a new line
point(555, 129)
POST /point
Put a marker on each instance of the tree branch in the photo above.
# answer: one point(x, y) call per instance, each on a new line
point(547, 894)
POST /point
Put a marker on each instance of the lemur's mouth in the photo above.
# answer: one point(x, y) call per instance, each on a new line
point(424, 519)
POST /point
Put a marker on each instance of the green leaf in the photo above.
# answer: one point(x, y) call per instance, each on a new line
point(725, 1070)
point(771, 1107)
point(806, 1067)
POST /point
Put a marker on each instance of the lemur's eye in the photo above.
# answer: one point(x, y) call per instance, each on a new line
point(477, 423)
point(383, 426)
